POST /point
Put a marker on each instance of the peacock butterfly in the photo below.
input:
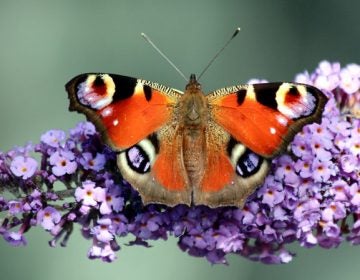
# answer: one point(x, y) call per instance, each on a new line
point(190, 148)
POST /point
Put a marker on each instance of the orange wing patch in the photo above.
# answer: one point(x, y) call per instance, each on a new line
point(218, 172)
point(167, 172)
point(130, 120)
point(168, 168)
point(258, 127)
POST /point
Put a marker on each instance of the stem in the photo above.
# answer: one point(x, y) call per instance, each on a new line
point(65, 193)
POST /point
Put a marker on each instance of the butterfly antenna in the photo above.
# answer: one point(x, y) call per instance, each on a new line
point(163, 55)
point(219, 52)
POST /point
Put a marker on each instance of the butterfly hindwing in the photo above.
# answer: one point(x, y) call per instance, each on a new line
point(153, 167)
point(265, 117)
point(232, 171)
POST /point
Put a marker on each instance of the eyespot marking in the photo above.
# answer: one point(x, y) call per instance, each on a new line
point(138, 160)
point(96, 91)
point(248, 164)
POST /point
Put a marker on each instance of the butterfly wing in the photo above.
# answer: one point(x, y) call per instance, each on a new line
point(248, 125)
point(135, 117)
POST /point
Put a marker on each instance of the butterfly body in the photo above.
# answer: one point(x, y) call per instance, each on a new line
point(193, 148)
point(192, 127)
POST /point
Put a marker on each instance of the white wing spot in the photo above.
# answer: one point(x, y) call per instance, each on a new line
point(272, 130)
point(282, 120)
point(107, 112)
point(115, 122)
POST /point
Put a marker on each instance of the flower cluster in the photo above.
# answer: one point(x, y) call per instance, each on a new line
point(311, 195)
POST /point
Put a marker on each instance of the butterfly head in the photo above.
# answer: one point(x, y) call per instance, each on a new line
point(193, 85)
point(194, 104)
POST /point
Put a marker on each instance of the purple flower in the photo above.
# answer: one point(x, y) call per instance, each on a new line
point(349, 163)
point(194, 239)
point(249, 213)
point(63, 162)
point(331, 235)
point(15, 207)
point(82, 131)
point(339, 190)
point(327, 77)
point(285, 256)
point(285, 169)
point(89, 194)
point(119, 224)
point(307, 212)
point(94, 163)
point(228, 240)
point(303, 78)
point(308, 240)
point(23, 167)
point(106, 253)
point(350, 78)
point(102, 231)
point(339, 126)
point(273, 195)
point(15, 238)
point(146, 226)
point(53, 138)
point(355, 146)
point(300, 146)
point(48, 217)
point(111, 200)
point(94, 252)
point(355, 195)
point(231, 244)
point(303, 168)
point(335, 211)
point(354, 236)
point(322, 170)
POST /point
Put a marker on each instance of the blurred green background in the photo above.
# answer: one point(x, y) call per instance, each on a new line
point(45, 43)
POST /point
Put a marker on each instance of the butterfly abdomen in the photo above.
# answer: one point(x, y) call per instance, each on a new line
point(193, 156)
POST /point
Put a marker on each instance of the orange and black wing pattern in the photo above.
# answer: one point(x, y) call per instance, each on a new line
point(248, 125)
point(136, 118)
point(265, 117)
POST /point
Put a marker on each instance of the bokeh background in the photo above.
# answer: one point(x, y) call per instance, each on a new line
point(45, 43)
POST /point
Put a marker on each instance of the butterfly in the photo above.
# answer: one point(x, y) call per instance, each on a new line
point(191, 148)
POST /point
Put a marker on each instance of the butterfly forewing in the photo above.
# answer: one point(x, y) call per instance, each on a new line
point(265, 117)
point(124, 109)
